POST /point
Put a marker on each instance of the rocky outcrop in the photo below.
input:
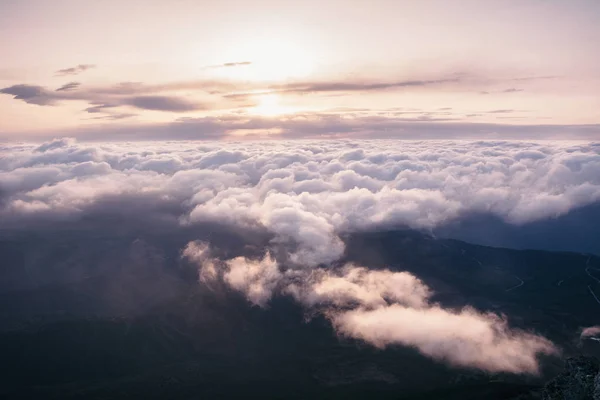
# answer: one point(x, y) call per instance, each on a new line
point(579, 381)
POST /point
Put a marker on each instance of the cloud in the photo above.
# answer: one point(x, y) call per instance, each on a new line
point(31, 94)
point(385, 308)
point(236, 96)
point(423, 125)
point(99, 103)
point(501, 111)
point(55, 144)
point(535, 78)
point(160, 97)
point(69, 86)
point(236, 64)
point(361, 86)
point(590, 331)
point(76, 70)
point(100, 108)
point(108, 112)
point(163, 103)
point(512, 90)
point(301, 198)
point(465, 338)
point(115, 116)
point(303, 88)
point(230, 64)
point(329, 186)
point(257, 279)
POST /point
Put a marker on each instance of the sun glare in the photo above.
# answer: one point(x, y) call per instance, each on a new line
point(268, 60)
point(269, 105)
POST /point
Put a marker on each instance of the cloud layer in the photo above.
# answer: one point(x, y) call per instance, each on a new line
point(306, 195)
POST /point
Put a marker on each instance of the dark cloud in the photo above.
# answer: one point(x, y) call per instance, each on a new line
point(115, 116)
point(223, 92)
point(31, 94)
point(501, 111)
point(163, 103)
point(338, 87)
point(69, 86)
point(76, 70)
point(330, 126)
point(535, 78)
point(210, 86)
point(229, 65)
point(236, 64)
point(509, 90)
point(100, 108)
point(319, 87)
point(109, 112)
point(99, 102)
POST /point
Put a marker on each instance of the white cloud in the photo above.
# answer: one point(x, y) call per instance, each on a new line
point(465, 338)
point(384, 308)
point(306, 192)
point(590, 331)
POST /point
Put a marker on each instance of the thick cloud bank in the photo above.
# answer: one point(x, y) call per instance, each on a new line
point(305, 195)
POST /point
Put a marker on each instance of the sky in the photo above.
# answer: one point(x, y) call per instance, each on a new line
point(183, 69)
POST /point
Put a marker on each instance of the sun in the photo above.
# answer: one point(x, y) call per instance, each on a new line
point(269, 59)
point(269, 105)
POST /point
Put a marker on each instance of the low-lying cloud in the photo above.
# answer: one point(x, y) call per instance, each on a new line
point(306, 195)
point(383, 308)
point(309, 192)
point(590, 331)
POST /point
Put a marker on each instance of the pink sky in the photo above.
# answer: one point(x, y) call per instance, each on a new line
point(314, 68)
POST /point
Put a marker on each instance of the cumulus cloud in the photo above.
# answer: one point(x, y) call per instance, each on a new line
point(309, 192)
point(306, 195)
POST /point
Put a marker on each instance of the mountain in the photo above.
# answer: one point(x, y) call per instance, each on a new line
point(99, 317)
